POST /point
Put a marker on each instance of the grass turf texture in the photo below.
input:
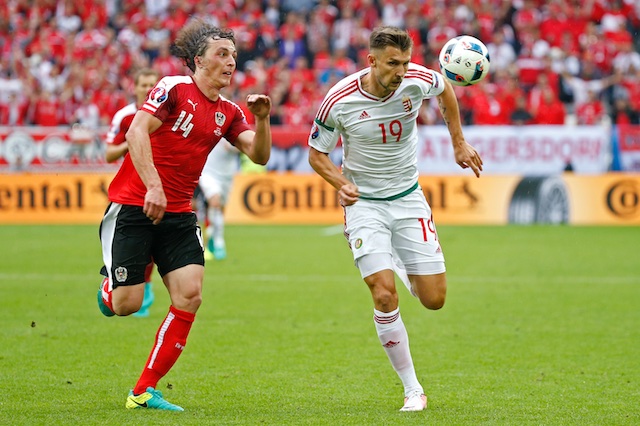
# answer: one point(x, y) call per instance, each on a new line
point(541, 327)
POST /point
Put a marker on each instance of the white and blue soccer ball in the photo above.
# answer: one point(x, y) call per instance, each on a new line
point(464, 60)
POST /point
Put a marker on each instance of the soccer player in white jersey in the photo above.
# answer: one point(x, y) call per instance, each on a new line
point(215, 182)
point(388, 221)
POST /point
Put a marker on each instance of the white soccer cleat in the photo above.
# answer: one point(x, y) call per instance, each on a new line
point(416, 401)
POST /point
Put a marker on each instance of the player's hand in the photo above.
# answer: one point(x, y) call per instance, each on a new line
point(467, 156)
point(259, 105)
point(348, 194)
point(155, 204)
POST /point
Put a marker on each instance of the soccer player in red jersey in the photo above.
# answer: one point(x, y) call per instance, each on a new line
point(117, 147)
point(150, 214)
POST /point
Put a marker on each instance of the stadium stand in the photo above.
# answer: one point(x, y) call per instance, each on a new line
point(560, 61)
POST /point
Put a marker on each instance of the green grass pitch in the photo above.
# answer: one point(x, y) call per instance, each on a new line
point(541, 327)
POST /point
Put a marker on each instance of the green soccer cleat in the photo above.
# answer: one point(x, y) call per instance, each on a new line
point(106, 311)
point(150, 399)
point(220, 253)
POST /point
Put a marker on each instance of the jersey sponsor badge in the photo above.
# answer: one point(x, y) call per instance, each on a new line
point(158, 94)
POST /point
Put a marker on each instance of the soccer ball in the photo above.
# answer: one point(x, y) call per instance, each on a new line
point(464, 60)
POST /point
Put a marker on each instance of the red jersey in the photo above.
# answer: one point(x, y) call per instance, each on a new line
point(192, 125)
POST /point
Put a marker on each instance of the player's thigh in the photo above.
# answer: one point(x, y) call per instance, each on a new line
point(367, 228)
point(126, 235)
point(177, 242)
point(414, 236)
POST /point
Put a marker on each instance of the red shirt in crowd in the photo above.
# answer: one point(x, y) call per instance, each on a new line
point(46, 111)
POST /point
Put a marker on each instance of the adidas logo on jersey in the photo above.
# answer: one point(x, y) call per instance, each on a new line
point(363, 115)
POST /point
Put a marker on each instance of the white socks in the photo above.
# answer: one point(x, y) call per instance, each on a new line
point(216, 226)
point(395, 341)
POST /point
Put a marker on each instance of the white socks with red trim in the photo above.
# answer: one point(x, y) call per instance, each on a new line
point(395, 341)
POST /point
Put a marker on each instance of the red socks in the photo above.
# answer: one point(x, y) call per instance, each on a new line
point(170, 341)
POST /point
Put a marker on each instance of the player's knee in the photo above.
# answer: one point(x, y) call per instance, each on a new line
point(384, 299)
point(124, 309)
point(189, 302)
point(431, 290)
point(386, 302)
point(433, 302)
point(195, 302)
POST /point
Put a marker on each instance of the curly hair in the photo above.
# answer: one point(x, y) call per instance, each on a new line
point(193, 39)
point(390, 36)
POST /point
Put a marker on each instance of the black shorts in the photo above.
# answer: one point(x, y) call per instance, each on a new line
point(130, 241)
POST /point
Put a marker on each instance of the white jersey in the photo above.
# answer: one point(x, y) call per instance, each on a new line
point(120, 123)
point(379, 135)
point(223, 162)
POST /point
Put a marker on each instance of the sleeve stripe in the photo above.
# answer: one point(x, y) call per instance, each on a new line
point(149, 107)
point(320, 123)
point(328, 103)
point(426, 76)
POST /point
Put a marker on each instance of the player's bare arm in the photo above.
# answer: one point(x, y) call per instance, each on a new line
point(113, 152)
point(257, 145)
point(466, 156)
point(155, 201)
point(322, 164)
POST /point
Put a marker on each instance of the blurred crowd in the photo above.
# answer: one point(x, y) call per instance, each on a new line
point(552, 61)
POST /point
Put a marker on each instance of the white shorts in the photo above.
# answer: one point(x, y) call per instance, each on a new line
point(211, 186)
point(403, 228)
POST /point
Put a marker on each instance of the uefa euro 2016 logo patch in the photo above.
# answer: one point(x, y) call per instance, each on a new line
point(159, 95)
point(358, 243)
point(315, 131)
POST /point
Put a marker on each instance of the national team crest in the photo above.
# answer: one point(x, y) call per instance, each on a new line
point(406, 103)
point(358, 243)
point(220, 118)
point(158, 94)
point(121, 274)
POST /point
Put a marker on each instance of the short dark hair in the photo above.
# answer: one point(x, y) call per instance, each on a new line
point(382, 37)
point(193, 39)
point(144, 72)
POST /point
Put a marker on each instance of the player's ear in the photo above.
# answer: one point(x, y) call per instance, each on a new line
point(371, 60)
